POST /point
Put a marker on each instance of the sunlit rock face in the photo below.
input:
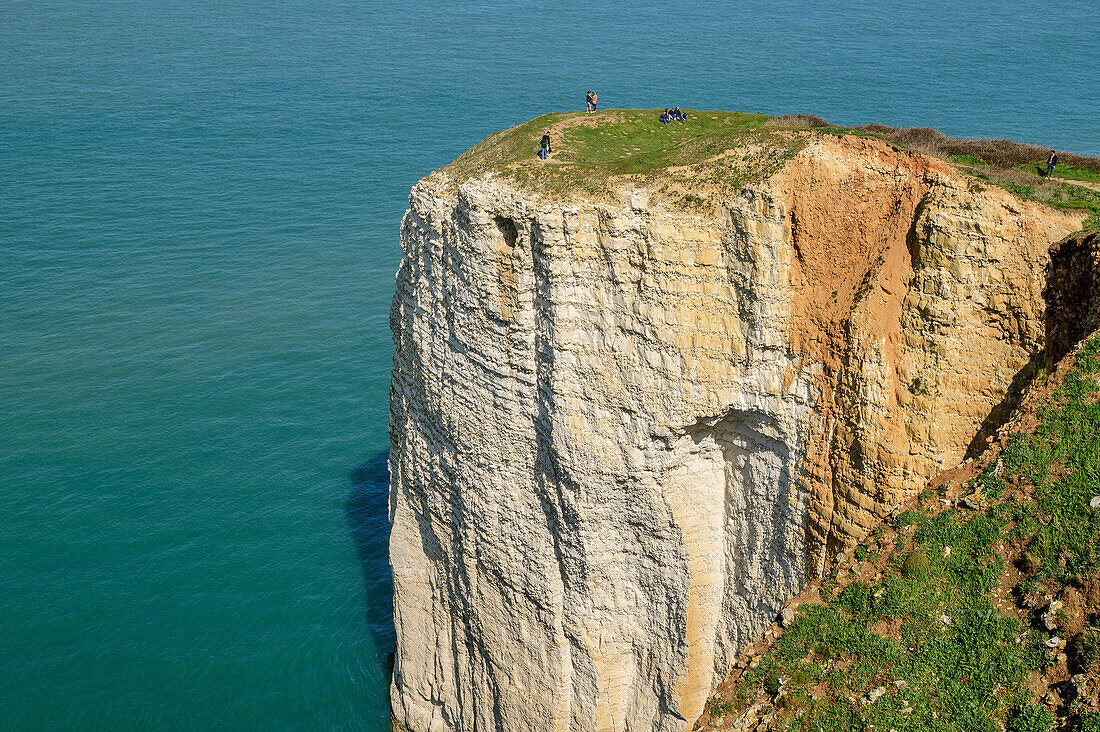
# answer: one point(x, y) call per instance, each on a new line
point(623, 434)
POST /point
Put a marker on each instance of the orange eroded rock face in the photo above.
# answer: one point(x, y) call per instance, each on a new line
point(920, 293)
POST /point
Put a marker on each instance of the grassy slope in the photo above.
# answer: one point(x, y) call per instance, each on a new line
point(619, 141)
point(962, 631)
point(1071, 173)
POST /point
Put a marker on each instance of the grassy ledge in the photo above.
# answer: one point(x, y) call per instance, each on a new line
point(1079, 189)
point(974, 610)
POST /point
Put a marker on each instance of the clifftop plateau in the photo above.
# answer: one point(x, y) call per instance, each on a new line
point(644, 390)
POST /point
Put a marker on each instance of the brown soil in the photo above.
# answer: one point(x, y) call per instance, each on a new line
point(835, 256)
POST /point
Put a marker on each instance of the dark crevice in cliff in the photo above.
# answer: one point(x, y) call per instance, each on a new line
point(506, 267)
point(1072, 294)
point(551, 482)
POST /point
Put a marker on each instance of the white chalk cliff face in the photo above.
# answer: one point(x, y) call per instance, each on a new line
point(623, 434)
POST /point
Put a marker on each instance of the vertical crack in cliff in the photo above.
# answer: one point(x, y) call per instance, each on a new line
point(506, 266)
point(1072, 294)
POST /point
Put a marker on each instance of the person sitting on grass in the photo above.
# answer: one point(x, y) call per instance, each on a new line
point(665, 119)
point(1051, 162)
point(544, 151)
point(678, 115)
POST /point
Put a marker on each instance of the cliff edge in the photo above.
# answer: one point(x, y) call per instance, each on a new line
point(640, 395)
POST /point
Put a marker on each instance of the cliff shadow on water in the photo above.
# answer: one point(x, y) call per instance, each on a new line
point(367, 512)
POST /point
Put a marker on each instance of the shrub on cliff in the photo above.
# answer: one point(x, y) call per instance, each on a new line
point(916, 564)
point(797, 120)
point(1030, 718)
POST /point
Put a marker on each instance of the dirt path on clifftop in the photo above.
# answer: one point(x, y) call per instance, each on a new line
point(1083, 184)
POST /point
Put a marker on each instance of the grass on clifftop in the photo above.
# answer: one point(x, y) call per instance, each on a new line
point(722, 151)
point(943, 625)
point(590, 150)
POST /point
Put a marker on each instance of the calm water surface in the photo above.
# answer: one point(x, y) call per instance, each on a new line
point(199, 205)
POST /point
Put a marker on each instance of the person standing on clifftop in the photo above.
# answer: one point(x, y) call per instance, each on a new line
point(1051, 162)
point(590, 102)
point(544, 152)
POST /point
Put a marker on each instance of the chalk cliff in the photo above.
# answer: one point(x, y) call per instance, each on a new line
point(624, 431)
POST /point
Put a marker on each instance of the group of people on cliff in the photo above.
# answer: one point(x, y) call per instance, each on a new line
point(672, 115)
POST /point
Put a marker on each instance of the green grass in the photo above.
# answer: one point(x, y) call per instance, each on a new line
point(1066, 196)
point(968, 673)
point(590, 151)
point(636, 142)
point(1030, 186)
point(1027, 182)
point(967, 159)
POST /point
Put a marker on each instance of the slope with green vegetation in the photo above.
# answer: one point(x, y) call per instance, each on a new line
point(975, 609)
point(1028, 182)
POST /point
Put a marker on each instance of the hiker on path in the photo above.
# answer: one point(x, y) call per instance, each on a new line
point(545, 151)
point(1051, 162)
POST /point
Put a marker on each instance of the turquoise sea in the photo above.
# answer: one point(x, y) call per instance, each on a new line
point(199, 210)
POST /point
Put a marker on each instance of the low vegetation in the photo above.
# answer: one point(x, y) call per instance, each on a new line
point(998, 153)
point(973, 610)
point(795, 121)
point(1027, 181)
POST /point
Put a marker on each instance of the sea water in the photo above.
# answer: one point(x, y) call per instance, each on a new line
point(199, 211)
